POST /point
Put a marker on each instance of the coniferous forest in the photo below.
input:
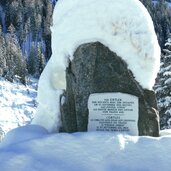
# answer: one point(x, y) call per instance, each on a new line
point(25, 43)
point(25, 37)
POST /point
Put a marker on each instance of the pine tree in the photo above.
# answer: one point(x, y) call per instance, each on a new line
point(31, 61)
point(15, 65)
point(36, 60)
point(163, 87)
point(2, 53)
point(161, 16)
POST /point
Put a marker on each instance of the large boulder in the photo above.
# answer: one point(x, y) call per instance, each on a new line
point(96, 69)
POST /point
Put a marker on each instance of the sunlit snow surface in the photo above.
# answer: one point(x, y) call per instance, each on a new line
point(31, 148)
point(17, 104)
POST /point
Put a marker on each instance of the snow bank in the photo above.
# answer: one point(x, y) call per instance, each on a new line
point(83, 152)
point(23, 133)
point(125, 27)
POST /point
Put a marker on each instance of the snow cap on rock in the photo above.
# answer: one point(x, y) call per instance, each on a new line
point(125, 27)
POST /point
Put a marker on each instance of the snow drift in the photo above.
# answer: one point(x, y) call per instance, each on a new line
point(125, 27)
point(32, 149)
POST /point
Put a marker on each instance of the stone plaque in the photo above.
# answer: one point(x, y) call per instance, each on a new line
point(113, 112)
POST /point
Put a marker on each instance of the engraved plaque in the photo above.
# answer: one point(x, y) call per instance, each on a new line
point(113, 112)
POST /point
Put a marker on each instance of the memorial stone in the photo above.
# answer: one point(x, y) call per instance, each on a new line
point(96, 69)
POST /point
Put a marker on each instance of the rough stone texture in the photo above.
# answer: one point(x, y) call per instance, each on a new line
point(96, 69)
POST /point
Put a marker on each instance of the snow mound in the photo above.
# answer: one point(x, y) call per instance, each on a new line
point(23, 133)
point(125, 27)
point(85, 152)
point(165, 132)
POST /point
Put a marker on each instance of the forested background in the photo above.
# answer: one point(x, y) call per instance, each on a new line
point(25, 43)
point(25, 37)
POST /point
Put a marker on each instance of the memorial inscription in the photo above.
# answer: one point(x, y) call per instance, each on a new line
point(113, 112)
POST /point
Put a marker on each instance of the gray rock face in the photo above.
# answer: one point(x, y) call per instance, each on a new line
point(96, 69)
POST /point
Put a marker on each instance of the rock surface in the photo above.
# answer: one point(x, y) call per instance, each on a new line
point(96, 69)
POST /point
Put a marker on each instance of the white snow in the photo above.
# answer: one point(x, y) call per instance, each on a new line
point(168, 81)
point(167, 73)
point(164, 69)
point(123, 26)
point(17, 104)
point(165, 102)
point(23, 133)
point(169, 120)
point(166, 51)
point(31, 148)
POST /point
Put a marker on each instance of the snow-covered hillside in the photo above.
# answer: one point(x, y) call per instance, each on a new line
point(17, 104)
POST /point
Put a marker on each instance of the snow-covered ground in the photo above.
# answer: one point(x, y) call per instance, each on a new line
point(31, 148)
point(17, 104)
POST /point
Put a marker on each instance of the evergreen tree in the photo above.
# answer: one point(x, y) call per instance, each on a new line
point(14, 61)
point(41, 59)
point(31, 61)
point(28, 36)
point(2, 53)
point(36, 60)
point(163, 87)
point(31, 17)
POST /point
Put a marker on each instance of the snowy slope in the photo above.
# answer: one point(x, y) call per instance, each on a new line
point(31, 148)
point(17, 104)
